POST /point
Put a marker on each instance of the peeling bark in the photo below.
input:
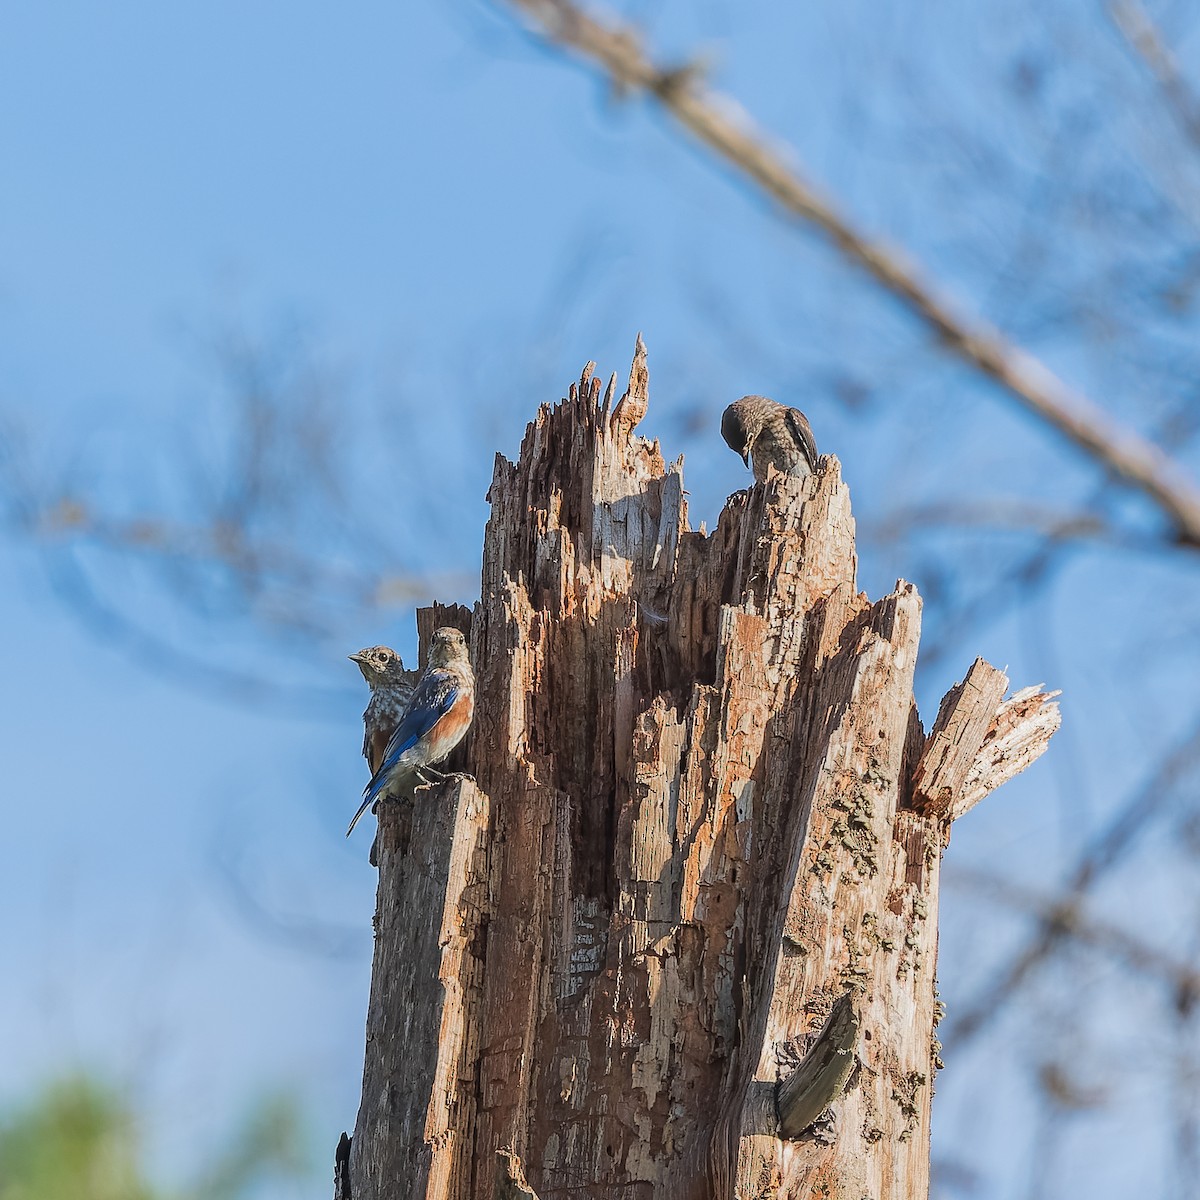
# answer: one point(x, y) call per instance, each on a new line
point(703, 810)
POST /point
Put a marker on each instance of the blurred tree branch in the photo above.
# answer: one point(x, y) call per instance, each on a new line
point(1006, 513)
point(251, 519)
point(1063, 916)
point(721, 125)
point(225, 542)
point(1144, 38)
point(1068, 919)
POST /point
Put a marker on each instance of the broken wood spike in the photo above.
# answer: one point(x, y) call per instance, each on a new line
point(609, 393)
point(979, 741)
point(341, 1168)
point(632, 406)
point(824, 1072)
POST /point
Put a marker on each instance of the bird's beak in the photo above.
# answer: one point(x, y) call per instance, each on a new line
point(746, 458)
point(358, 658)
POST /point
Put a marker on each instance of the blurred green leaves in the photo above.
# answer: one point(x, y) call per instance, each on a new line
point(77, 1140)
point(268, 1143)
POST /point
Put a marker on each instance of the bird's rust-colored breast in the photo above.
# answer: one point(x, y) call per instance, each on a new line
point(450, 728)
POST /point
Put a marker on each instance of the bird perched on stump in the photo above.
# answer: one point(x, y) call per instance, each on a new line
point(767, 433)
point(391, 686)
point(434, 721)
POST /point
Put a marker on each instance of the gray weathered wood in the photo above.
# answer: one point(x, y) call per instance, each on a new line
point(706, 809)
point(412, 1137)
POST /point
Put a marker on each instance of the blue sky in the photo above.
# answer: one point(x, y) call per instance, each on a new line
point(449, 222)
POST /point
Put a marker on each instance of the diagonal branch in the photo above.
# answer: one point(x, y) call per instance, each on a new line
point(1143, 37)
point(1105, 853)
point(1007, 515)
point(717, 122)
point(1069, 919)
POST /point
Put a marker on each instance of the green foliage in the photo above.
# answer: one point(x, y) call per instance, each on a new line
point(74, 1142)
point(267, 1143)
point(77, 1141)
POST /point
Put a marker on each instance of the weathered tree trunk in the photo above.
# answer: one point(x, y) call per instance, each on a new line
point(703, 814)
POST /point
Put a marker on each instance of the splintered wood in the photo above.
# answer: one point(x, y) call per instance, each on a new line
point(704, 811)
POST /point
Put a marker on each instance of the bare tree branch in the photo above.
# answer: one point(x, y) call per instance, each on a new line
point(230, 544)
point(1144, 38)
point(1106, 851)
point(1069, 919)
point(725, 128)
point(1005, 514)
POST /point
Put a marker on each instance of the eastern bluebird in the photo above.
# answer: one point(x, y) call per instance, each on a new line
point(434, 721)
point(391, 686)
point(773, 434)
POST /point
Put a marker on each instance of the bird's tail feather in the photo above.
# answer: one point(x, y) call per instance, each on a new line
point(362, 808)
point(371, 793)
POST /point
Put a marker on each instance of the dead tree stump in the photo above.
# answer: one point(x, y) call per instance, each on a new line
point(704, 824)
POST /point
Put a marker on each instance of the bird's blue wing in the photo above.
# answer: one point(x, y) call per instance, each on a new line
point(433, 698)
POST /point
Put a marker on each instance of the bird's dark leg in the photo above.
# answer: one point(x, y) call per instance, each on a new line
point(428, 775)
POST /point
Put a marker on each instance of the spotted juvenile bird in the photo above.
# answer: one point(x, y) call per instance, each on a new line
point(434, 721)
point(391, 686)
point(770, 434)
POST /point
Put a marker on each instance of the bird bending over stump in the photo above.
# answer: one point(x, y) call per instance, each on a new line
point(767, 433)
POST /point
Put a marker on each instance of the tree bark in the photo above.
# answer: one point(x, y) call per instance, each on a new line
point(698, 857)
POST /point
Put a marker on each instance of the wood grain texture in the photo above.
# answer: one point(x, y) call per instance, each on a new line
point(413, 1134)
point(963, 721)
point(705, 810)
point(511, 1183)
